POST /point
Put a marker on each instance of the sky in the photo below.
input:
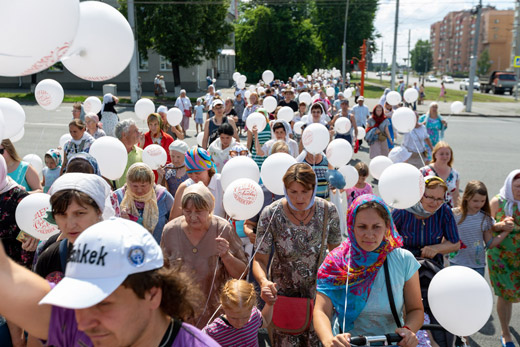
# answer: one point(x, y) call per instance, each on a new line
point(417, 16)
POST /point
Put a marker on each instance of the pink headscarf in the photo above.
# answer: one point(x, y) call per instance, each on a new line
point(6, 182)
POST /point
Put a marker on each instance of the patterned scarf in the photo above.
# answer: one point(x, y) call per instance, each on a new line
point(350, 265)
point(506, 193)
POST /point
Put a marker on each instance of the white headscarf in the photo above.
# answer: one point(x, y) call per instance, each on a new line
point(106, 99)
point(6, 182)
point(506, 193)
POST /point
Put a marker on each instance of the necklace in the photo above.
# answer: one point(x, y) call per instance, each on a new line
point(170, 330)
point(298, 219)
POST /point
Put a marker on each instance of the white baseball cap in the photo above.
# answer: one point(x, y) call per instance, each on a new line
point(216, 102)
point(102, 258)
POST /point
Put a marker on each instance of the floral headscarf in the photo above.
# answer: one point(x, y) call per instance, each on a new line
point(350, 265)
point(55, 155)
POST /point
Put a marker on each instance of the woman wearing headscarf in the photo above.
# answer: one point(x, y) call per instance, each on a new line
point(200, 168)
point(83, 163)
point(183, 103)
point(144, 202)
point(300, 227)
point(503, 264)
point(382, 99)
point(156, 136)
point(378, 132)
point(20, 171)
point(108, 114)
point(172, 175)
point(434, 123)
point(205, 246)
point(352, 297)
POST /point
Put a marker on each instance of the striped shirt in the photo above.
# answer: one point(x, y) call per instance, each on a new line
point(226, 335)
point(320, 169)
point(263, 137)
point(418, 233)
point(471, 233)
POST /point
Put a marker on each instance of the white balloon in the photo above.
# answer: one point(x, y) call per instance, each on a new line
point(457, 107)
point(242, 79)
point(143, 108)
point(154, 156)
point(378, 165)
point(339, 152)
point(411, 95)
point(315, 97)
point(92, 105)
point(273, 169)
point(64, 139)
point(35, 161)
point(111, 156)
point(460, 299)
point(305, 97)
point(257, 119)
point(330, 92)
point(241, 85)
point(268, 76)
point(14, 117)
point(285, 113)
point(260, 90)
point(239, 167)
point(342, 125)
point(49, 94)
point(361, 132)
point(200, 138)
point(243, 199)
point(236, 75)
point(350, 174)
point(404, 120)
point(2, 126)
point(315, 138)
point(95, 59)
point(401, 185)
point(252, 88)
point(297, 127)
point(174, 116)
point(393, 98)
point(305, 119)
point(16, 137)
point(30, 214)
point(247, 94)
point(270, 104)
point(347, 93)
point(53, 25)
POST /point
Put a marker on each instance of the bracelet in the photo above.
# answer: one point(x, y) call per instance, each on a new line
point(489, 243)
point(406, 327)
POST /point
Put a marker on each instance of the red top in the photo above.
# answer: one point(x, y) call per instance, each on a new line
point(166, 140)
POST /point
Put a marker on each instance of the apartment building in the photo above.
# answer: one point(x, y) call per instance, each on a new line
point(452, 39)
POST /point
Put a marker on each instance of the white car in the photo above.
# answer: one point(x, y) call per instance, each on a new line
point(464, 85)
point(431, 78)
point(448, 79)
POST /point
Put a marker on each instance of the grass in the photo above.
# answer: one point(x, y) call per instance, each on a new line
point(374, 88)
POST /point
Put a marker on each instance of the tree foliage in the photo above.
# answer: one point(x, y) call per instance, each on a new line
point(330, 24)
point(184, 33)
point(421, 56)
point(483, 63)
point(278, 38)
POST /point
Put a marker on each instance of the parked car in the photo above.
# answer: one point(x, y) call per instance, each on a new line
point(499, 82)
point(379, 73)
point(448, 79)
point(431, 78)
point(464, 84)
point(400, 76)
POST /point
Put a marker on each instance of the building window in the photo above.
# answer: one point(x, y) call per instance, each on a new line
point(497, 21)
point(165, 64)
point(495, 36)
point(143, 63)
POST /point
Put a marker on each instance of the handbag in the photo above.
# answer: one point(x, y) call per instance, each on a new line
point(381, 136)
point(291, 315)
point(187, 113)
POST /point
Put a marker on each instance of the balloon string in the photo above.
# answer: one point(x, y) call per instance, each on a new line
point(37, 144)
point(248, 264)
point(346, 292)
point(418, 152)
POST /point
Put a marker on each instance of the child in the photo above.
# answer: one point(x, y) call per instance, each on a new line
point(241, 320)
point(52, 168)
point(219, 149)
point(199, 115)
point(476, 228)
point(361, 186)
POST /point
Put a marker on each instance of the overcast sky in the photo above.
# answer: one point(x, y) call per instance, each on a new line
point(417, 15)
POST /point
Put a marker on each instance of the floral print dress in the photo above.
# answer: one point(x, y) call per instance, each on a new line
point(296, 252)
point(503, 260)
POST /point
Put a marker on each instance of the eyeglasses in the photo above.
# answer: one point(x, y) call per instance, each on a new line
point(433, 199)
point(235, 153)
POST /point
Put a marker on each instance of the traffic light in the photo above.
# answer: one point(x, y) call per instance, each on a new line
point(352, 64)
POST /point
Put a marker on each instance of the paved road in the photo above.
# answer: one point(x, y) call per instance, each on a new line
point(486, 149)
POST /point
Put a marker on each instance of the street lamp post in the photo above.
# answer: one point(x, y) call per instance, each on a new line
point(344, 47)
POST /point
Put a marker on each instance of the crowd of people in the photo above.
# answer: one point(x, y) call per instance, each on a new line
point(153, 258)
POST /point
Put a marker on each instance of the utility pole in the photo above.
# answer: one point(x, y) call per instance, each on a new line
point(517, 45)
point(344, 47)
point(408, 61)
point(133, 62)
point(473, 63)
point(381, 67)
point(394, 53)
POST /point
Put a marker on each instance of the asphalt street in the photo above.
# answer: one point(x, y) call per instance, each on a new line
point(485, 148)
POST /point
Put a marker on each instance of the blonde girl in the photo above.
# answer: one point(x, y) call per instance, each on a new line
point(241, 319)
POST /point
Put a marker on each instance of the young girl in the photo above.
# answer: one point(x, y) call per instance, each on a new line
point(199, 115)
point(52, 168)
point(239, 324)
point(361, 186)
point(476, 228)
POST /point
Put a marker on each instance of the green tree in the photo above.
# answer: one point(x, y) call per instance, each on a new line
point(483, 63)
point(421, 57)
point(278, 38)
point(329, 19)
point(184, 33)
